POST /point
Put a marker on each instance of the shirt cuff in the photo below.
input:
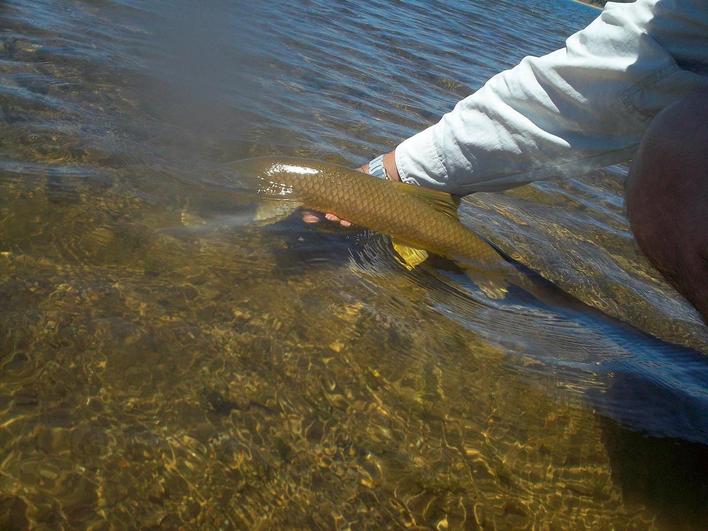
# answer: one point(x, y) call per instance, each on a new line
point(418, 161)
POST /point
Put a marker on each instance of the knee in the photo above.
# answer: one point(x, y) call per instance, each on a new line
point(672, 160)
point(667, 196)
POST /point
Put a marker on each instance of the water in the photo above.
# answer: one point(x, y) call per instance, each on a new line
point(164, 363)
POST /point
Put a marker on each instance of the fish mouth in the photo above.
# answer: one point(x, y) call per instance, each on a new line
point(248, 167)
point(243, 175)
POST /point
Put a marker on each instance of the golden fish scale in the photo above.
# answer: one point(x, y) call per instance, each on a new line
point(380, 206)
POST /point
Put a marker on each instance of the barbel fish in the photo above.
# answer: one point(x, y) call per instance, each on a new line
point(418, 220)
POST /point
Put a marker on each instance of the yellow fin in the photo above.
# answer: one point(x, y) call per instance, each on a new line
point(274, 210)
point(410, 256)
point(441, 201)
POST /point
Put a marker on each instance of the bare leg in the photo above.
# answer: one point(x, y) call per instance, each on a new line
point(667, 197)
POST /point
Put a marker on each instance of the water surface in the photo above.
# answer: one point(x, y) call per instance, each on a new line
point(165, 363)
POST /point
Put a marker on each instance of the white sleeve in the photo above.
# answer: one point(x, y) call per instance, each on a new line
point(579, 108)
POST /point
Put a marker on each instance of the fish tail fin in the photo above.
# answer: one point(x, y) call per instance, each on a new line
point(539, 288)
point(494, 288)
point(494, 284)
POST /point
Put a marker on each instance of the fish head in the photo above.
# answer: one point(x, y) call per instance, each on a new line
point(275, 177)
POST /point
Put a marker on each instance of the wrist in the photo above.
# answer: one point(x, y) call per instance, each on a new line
point(383, 167)
point(389, 163)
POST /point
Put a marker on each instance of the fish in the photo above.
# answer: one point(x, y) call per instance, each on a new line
point(418, 220)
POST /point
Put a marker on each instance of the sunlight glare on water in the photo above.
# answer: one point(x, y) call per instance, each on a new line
point(164, 362)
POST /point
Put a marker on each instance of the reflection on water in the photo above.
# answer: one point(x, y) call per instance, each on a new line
point(165, 363)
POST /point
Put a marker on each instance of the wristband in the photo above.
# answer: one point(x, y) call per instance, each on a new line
point(377, 169)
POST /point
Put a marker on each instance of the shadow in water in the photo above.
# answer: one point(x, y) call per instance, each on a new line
point(646, 384)
point(318, 245)
point(667, 475)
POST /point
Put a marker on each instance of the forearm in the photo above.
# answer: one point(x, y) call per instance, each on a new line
point(579, 108)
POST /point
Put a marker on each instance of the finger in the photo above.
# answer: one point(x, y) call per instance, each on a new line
point(345, 223)
point(309, 217)
point(331, 217)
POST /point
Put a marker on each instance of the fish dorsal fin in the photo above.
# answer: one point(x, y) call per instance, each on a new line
point(441, 201)
point(274, 210)
point(410, 256)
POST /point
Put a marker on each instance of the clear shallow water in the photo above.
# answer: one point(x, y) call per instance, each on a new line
point(166, 364)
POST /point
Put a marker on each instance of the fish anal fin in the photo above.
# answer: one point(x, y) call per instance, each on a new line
point(274, 210)
point(410, 256)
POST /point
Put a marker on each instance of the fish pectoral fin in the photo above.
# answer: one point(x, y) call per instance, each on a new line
point(494, 285)
point(410, 256)
point(274, 210)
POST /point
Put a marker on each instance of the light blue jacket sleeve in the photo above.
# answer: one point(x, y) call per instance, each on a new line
point(576, 109)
